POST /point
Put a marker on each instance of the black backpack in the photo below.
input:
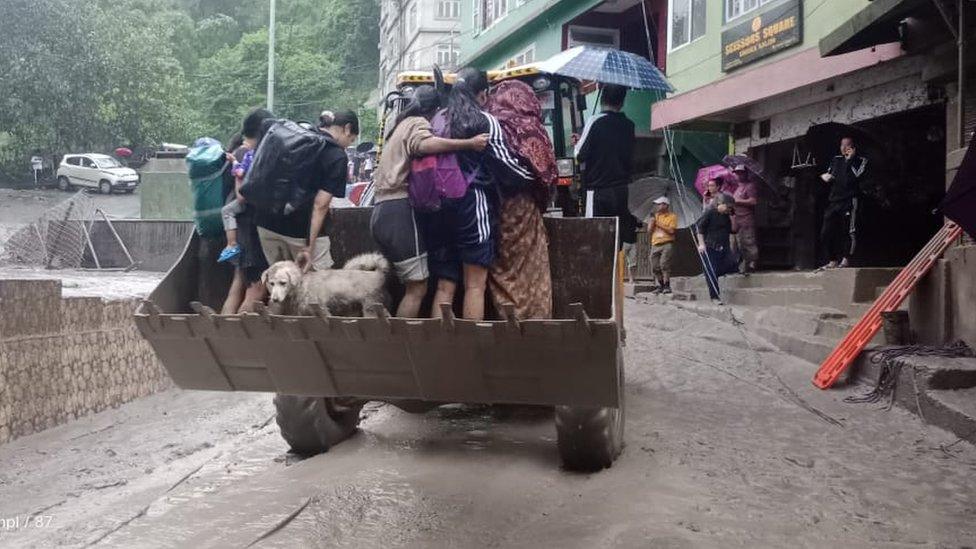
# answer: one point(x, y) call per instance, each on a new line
point(285, 169)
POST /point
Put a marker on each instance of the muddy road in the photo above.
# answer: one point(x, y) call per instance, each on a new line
point(728, 444)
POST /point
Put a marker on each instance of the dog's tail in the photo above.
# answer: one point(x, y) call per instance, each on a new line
point(368, 262)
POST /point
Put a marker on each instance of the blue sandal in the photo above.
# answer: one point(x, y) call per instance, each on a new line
point(229, 253)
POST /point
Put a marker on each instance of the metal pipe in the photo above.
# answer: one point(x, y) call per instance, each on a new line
point(271, 57)
point(118, 238)
point(961, 87)
point(945, 16)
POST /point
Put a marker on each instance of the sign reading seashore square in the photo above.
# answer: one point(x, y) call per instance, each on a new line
point(765, 34)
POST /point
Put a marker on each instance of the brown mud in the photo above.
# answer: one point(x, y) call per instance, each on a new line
point(728, 444)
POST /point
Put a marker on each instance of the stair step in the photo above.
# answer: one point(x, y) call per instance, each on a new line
point(782, 296)
point(961, 401)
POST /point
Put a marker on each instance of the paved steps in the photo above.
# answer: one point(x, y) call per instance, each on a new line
point(807, 314)
point(946, 387)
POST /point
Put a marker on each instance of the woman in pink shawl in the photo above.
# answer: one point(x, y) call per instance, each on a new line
point(520, 275)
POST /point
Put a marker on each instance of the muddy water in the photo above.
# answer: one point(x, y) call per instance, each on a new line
point(719, 453)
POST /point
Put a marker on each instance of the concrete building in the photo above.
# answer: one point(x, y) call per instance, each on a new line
point(503, 33)
point(788, 78)
point(416, 34)
point(755, 69)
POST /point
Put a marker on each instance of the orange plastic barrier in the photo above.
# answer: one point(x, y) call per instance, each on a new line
point(893, 296)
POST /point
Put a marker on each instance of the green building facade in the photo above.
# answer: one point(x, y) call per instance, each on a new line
point(532, 30)
point(698, 62)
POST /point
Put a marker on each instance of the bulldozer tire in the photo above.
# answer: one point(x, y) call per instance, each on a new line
point(313, 425)
point(590, 439)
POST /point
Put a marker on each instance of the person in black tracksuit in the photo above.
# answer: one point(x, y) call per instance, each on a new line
point(838, 234)
point(461, 235)
point(606, 153)
point(714, 229)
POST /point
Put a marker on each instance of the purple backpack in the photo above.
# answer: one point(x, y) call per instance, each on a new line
point(436, 176)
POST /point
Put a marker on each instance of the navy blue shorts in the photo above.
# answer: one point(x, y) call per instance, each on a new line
point(461, 233)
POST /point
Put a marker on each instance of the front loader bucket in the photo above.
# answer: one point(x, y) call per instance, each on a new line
point(571, 360)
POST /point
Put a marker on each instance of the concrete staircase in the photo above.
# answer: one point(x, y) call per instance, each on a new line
point(946, 389)
point(803, 313)
point(847, 290)
point(807, 314)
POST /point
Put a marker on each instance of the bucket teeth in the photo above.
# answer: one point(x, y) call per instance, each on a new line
point(203, 310)
point(579, 313)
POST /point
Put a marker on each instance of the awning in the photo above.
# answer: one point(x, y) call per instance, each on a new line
point(716, 101)
point(876, 24)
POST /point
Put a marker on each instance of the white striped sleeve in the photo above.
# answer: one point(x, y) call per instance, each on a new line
point(498, 150)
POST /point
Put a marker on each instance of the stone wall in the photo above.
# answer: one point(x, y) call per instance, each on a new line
point(63, 358)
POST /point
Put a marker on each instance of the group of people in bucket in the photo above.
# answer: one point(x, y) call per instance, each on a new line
point(486, 236)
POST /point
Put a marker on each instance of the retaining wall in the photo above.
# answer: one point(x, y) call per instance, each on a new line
point(942, 305)
point(154, 244)
point(63, 358)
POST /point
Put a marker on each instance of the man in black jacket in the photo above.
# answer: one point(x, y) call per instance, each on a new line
point(606, 153)
point(839, 229)
point(715, 244)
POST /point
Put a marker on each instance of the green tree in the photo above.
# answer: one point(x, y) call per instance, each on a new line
point(96, 74)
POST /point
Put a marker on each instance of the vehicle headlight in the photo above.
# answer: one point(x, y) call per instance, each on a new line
point(565, 167)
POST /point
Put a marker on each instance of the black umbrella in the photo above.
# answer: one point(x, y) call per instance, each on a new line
point(731, 161)
point(959, 203)
point(824, 141)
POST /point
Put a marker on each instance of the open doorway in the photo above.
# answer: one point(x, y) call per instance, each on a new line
point(900, 193)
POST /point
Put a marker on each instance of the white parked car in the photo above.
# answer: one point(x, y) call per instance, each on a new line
point(98, 171)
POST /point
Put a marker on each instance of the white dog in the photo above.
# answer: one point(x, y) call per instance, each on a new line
point(348, 291)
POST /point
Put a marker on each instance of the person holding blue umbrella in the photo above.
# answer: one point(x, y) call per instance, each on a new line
point(605, 152)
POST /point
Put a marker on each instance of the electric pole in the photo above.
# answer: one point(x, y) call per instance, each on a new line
point(271, 57)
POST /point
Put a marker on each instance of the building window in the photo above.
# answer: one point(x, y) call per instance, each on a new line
point(593, 36)
point(736, 8)
point(412, 18)
point(524, 57)
point(447, 56)
point(494, 11)
point(448, 9)
point(686, 22)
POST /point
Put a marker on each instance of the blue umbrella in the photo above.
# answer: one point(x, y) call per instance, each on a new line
point(607, 66)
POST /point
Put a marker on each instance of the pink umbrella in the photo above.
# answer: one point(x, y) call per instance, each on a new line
point(123, 152)
point(722, 173)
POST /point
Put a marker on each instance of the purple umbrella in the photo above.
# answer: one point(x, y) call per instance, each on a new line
point(716, 171)
point(959, 203)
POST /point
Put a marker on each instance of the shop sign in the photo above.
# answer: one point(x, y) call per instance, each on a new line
point(765, 34)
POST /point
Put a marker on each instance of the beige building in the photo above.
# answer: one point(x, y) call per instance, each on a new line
point(414, 35)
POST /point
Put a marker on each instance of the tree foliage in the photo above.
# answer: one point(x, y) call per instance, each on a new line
point(98, 74)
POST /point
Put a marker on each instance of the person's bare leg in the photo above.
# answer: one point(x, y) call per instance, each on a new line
point(475, 282)
point(254, 293)
point(445, 294)
point(235, 295)
point(410, 304)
